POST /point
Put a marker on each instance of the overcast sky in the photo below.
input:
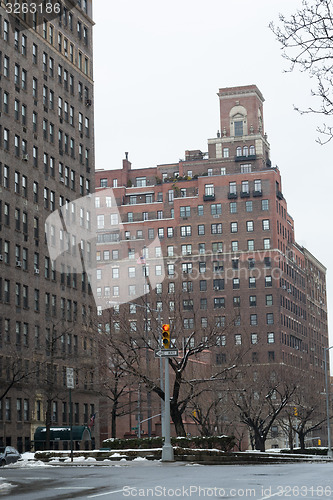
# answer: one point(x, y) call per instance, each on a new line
point(158, 67)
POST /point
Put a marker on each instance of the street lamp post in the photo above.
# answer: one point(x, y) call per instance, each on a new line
point(329, 448)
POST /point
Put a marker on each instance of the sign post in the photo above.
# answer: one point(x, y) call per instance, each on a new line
point(70, 386)
point(166, 352)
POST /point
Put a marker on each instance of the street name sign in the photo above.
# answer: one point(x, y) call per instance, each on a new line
point(70, 378)
point(166, 353)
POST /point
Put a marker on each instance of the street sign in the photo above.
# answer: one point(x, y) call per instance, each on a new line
point(166, 353)
point(70, 378)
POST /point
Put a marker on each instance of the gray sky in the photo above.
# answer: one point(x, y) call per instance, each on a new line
point(158, 67)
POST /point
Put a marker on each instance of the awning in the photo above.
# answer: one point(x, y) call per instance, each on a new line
point(80, 433)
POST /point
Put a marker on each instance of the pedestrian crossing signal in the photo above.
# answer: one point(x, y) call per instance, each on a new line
point(166, 336)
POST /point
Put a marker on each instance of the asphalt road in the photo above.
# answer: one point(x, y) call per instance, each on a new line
point(176, 480)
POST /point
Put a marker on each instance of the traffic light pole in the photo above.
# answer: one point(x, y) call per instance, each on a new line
point(167, 450)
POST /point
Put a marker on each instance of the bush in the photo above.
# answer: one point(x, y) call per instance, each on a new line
point(307, 451)
point(223, 443)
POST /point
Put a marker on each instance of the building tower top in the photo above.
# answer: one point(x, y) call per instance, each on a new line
point(241, 111)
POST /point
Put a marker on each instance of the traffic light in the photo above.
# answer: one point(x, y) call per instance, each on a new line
point(166, 336)
point(295, 412)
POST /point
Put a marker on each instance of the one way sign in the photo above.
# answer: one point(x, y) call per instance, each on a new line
point(166, 353)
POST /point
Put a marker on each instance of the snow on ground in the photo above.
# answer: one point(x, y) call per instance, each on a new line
point(5, 487)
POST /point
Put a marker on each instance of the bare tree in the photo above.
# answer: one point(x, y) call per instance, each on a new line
point(131, 344)
point(306, 410)
point(260, 396)
point(114, 385)
point(307, 42)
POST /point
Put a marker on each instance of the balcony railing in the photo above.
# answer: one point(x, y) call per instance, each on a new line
point(232, 196)
point(209, 197)
point(257, 193)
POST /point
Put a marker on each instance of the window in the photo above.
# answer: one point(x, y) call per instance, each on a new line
point(267, 243)
point(216, 209)
point(217, 247)
point(200, 210)
point(238, 339)
point(246, 168)
point(185, 231)
point(202, 267)
point(267, 262)
point(233, 207)
point(232, 188)
point(209, 190)
point(219, 302)
point(270, 338)
point(234, 246)
point(269, 300)
point(235, 283)
point(187, 267)
point(245, 187)
point(268, 281)
point(234, 227)
point(271, 356)
point(218, 284)
point(249, 206)
point(238, 125)
point(203, 285)
point(201, 229)
point(253, 320)
point(250, 244)
point(188, 323)
point(270, 319)
point(257, 185)
point(252, 282)
point(186, 249)
point(185, 211)
point(264, 205)
point(254, 338)
point(249, 226)
point(225, 153)
point(253, 300)
point(171, 270)
point(216, 228)
point(265, 225)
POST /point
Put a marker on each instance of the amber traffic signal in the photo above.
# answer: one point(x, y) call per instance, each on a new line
point(166, 336)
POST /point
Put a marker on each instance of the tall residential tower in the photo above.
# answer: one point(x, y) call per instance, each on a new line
point(46, 161)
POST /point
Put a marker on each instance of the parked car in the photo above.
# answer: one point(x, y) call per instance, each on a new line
point(8, 455)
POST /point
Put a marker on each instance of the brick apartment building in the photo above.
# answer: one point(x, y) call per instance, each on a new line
point(227, 243)
point(46, 160)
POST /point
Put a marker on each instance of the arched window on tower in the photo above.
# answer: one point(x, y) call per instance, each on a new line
point(252, 150)
point(239, 151)
point(238, 128)
point(245, 151)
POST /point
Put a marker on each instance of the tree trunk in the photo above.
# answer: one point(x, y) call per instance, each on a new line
point(48, 424)
point(177, 420)
point(291, 439)
point(301, 436)
point(114, 420)
point(259, 441)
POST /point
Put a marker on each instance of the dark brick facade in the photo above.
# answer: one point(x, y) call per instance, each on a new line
point(46, 161)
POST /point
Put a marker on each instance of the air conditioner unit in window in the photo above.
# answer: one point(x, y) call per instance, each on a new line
point(216, 288)
point(18, 263)
point(62, 179)
point(25, 157)
point(36, 270)
point(284, 287)
point(88, 102)
point(219, 250)
point(188, 252)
